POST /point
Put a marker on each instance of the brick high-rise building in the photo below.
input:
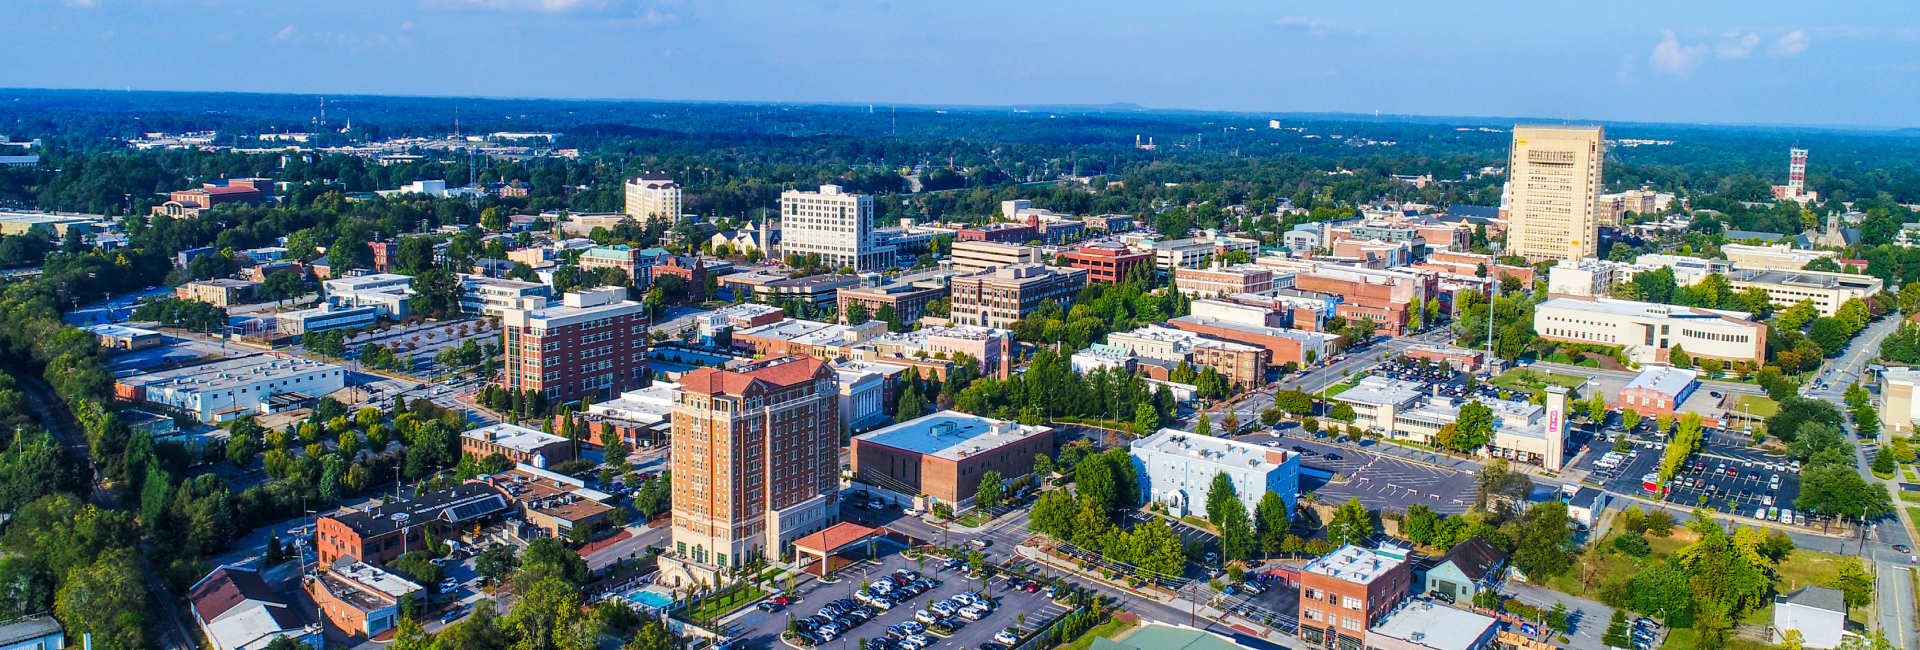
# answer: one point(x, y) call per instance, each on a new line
point(999, 297)
point(756, 459)
point(593, 342)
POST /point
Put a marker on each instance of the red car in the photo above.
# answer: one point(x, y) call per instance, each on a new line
point(782, 600)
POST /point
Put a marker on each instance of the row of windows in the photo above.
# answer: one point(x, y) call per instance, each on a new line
point(1712, 336)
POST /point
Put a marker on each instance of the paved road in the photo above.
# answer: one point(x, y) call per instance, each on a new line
point(1895, 595)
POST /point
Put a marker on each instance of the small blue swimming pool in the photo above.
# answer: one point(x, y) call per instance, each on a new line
point(651, 600)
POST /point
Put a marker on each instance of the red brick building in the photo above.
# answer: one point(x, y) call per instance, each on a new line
point(380, 534)
point(1104, 261)
point(518, 444)
point(592, 343)
point(234, 190)
point(944, 455)
point(1005, 233)
point(691, 268)
point(1343, 594)
point(756, 459)
point(1284, 345)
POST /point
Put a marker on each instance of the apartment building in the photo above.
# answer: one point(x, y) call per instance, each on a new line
point(945, 455)
point(219, 292)
point(999, 297)
point(1106, 262)
point(755, 459)
point(836, 225)
point(653, 194)
point(1219, 280)
point(980, 255)
point(592, 343)
point(1177, 468)
point(1649, 332)
point(1242, 364)
point(907, 295)
point(1553, 204)
point(1346, 592)
point(1828, 291)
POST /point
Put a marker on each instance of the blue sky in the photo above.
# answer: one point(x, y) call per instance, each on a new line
point(1853, 63)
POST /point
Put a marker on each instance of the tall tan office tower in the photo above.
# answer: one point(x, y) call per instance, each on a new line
point(1555, 187)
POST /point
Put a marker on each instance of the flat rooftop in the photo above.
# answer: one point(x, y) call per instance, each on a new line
point(1438, 627)
point(513, 436)
point(1277, 332)
point(1352, 564)
point(375, 578)
point(232, 373)
point(1637, 309)
point(1377, 390)
point(952, 435)
point(455, 505)
point(121, 331)
point(1179, 337)
point(1214, 450)
point(1664, 379)
point(1804, 279)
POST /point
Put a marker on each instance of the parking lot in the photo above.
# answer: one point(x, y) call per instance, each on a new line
point(1380, 482)
point(1731, 479)
point(759, 629)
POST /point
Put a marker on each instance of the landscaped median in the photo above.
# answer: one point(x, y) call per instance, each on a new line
point(725, 601)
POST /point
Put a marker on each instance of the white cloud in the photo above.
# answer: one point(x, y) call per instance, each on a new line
point(1319, 27)
point(1734, 45)
point(1792, 43)
point(287, 33)
point(1672, 57)
point(539, 6)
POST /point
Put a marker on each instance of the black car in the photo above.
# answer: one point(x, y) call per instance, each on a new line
point(1441, 596)
point(1333, 456)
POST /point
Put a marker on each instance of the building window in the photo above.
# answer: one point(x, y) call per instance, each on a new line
point(1351, 603)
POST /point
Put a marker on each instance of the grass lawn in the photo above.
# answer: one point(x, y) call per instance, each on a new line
point(1340, 388)
point(726, 601)
point(1682, 639)
point(975, 518)
point(1529, 379)
point(1755, 406)
point(1910, 496)
point(1884, 476)
point(1105, 630)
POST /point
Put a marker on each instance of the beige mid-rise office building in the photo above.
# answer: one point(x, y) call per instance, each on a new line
point(1554, 207)
point(975, 256)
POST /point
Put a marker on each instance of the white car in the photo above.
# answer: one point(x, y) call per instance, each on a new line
point(965, 598)
point(1786, 516)
point(1006, 638)
point(974, 613)
point(925, 616)
point(880, 603)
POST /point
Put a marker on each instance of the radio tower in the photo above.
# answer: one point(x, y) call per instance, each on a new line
point(1797, 172)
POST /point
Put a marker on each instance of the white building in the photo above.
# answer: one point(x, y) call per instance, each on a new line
point(1687, 270)
point(1377, 401)
point(1898, 408)
point(1176, 469)
point(862, 397)
point(1422, 625)
point(431, 188)
point(1650, 331)
point(1828, 291)
point(1773, 257)
point(1101, 355)
point(1818, 613)
point(323, 318)
point(486, 296)
point(653, 194)
point(224, 390)
point(835, 225)
point(386, 292)
point(1588, 277)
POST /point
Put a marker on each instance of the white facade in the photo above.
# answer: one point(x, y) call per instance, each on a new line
point(1588, 277)
point(1176, 469)
point(323, 318)
point(1773, 257)
point(486, 296)
point(836, 225)
point(1818, 613)
point(386, 292)
point(1554, 207)
point(228, 389)
point(1650, 330)
point(862, 397)
point(972, 256)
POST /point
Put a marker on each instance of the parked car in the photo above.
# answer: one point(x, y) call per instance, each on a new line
point(1005, 637)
